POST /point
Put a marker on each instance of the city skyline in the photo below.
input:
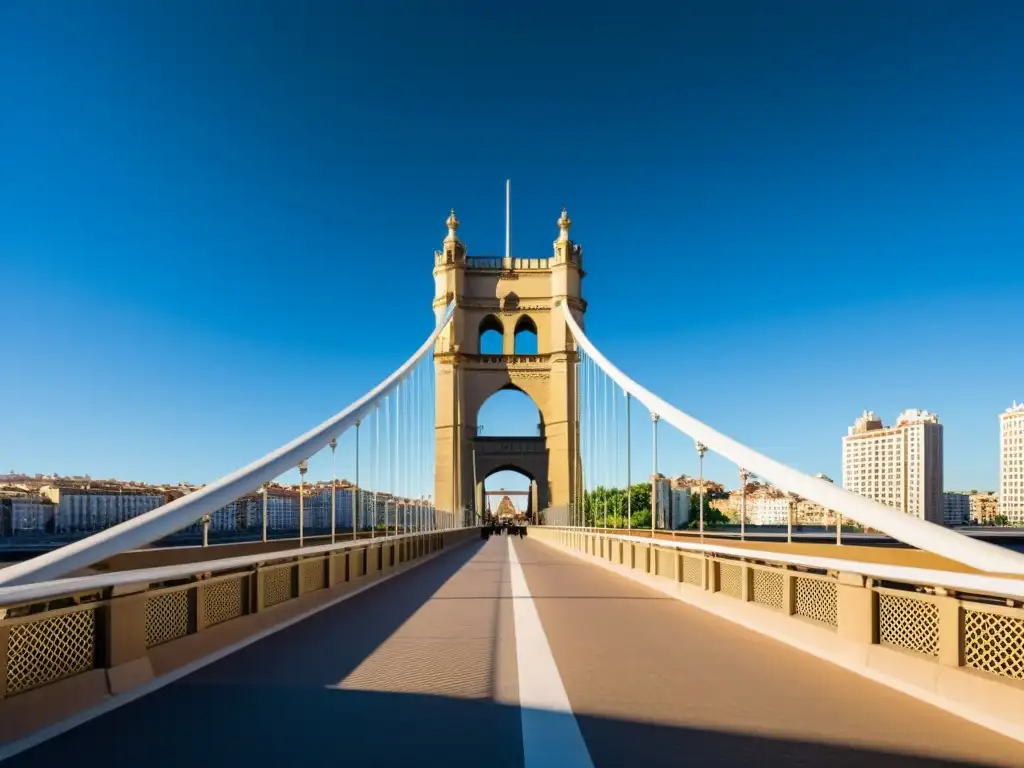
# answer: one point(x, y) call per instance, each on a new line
point(772, 257)
point(512, 479)
point(517, 419)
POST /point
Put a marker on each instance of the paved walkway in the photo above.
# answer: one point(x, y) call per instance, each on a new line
point(430, 667)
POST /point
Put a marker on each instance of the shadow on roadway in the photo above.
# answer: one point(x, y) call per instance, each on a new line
point(269, 725)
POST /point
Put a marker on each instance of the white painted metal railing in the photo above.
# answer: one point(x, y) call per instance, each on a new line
point(182, 512)
point(902, 527)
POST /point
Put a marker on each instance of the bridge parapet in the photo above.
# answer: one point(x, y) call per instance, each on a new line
point(951, 638)
point(66, 645)
point(510, 361)
point(509, 446)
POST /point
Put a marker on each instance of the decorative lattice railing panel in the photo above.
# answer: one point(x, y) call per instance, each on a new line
point(42, 652)
point(693, 568)
point(313, 574)
point(166, 617)
point(277, 586)
point(994, 643)
point(908, 623)
point(816, 599)
point(767, 588)
point(730, 580)
point(223, 601)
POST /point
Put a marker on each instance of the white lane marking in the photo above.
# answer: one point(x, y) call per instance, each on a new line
point(109, 705)
point(551, 735)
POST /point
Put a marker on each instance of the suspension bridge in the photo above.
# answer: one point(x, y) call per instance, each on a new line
point(397, 634)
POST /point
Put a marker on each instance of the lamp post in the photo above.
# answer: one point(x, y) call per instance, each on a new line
point(334, 481)
point(701, 450)
point(265, 493)
point(357, 506)
point(303, 466)
point(629, 479)
point(654, 473)
point(744, 477)
point(793, 501)
point(206, 530)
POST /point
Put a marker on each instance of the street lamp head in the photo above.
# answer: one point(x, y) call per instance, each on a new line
point(333, 443)
point(701, 449)
point(303, 466)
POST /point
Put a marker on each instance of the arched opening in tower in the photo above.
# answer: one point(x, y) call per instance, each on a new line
point(491, 335)
point(526, 337)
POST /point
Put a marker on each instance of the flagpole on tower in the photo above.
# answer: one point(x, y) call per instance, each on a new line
point(508, 218)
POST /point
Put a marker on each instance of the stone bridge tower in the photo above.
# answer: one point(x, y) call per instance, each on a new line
point(506, 294)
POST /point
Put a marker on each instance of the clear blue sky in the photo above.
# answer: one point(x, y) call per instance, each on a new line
point(791, 212)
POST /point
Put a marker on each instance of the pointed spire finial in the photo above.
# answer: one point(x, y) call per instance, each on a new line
point(564, 222)
point(453, 225)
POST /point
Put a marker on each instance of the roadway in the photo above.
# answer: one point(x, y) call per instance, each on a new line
point(444, 665)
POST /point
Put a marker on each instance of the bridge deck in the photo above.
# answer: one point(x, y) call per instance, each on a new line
point(425, 668)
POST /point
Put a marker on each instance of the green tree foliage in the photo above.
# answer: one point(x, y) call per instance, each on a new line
point(713, 518)
point(612, 502)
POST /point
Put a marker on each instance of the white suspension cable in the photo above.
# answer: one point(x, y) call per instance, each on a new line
point(605, 453)
point(396, 439)
point(582, 389)
point(181, 513)
point(900, 526)
point(595, 475)
point(376, 471)
point(615, 457)
point(417, 454)
point(595, 431)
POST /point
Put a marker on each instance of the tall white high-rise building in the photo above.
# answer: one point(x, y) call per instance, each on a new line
point(1011, 463)
point(899, 466)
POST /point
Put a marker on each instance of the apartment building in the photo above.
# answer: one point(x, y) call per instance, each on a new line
point(899, 466)
point(1011, 464)
point(680, 507)
point(94, 507)
point(662, 488)
point(765, 505)
point(984, 507)
point(672, 499)
point(956, 507)
point(24, 513)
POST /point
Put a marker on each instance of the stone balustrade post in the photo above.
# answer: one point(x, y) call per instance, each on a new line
point(711, 574)
point(857, 609)
point(123, 651)
point(951, 629)
point(788, 593)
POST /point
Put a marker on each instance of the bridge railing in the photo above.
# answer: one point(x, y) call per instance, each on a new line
point(249, 482)
point(106, 633)
point(899, 525)
point(956, 636)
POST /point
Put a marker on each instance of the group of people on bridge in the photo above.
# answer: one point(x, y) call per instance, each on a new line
point(496, 528)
